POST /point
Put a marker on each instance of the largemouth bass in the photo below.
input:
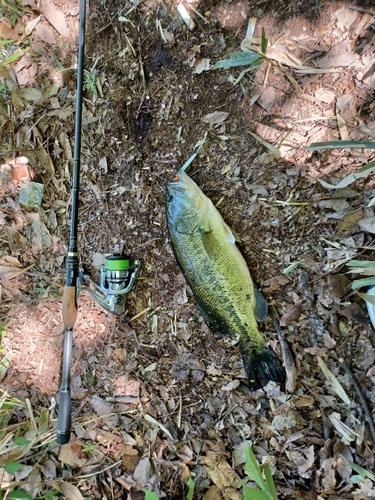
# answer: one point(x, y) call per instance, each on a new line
point(206, 251)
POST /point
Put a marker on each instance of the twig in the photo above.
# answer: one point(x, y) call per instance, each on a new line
point(360, 9)
point(140, 314)
point(290, 368)
point(358, 390)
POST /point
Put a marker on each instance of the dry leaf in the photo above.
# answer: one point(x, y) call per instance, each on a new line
point(203, 65)
point(310, 457)
point(31, 25)
point(125, 387)
point(267, 98)
point(142, 472)
point(367, 224)
point(291, 316)
point(70, 491)
point(348, 223)
point(335, 384)
point(72, 454)
point(324, 95)
point(231, 385)
point(215, 118)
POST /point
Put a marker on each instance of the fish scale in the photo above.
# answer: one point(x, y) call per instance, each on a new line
point(205, 250)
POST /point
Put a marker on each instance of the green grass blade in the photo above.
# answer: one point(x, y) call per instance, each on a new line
point(264, 42)
point(318, 146)
point(367, 167)
point(361, 471)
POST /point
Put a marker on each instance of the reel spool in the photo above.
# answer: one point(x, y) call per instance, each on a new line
point(117, 278)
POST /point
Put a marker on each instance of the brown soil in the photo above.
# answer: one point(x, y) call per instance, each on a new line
point(140, 123)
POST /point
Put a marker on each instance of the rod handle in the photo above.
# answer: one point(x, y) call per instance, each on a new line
point(64, 421)
point(69, 306)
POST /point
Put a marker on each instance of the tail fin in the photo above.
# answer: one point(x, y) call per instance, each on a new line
point(261, 367)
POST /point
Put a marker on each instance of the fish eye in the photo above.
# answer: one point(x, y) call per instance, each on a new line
point(169, 198)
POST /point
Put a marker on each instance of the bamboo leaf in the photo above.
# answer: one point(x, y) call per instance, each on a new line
point(347, 180)
point(318, 146)
point(367, 297)
point(240, 59)
point(363, 282)
point(335, 384)
point(366, 264)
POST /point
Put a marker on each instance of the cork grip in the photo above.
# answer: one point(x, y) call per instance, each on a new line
point(69, 306)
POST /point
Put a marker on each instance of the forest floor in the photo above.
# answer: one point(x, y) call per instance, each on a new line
point(158, 399)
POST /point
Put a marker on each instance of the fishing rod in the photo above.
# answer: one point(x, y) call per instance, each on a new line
point(117, 275)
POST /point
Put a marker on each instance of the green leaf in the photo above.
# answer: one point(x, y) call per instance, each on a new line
point(361, 471)
point(254, 469)
point(269, 481)
point(12, 467)
point(367, 297)
point(240, 59)
point(363, 282)
point(21, 441)
point(19, 494)
point(367, 167)
point(318, 146)
point(366, 264)
point(191, 489)
point(264, 42)
point(254, 494)
point(150, 495)
point(244, 71)
point(43, 421)
point(5, 42)
point(290, 268)
point(11, 59)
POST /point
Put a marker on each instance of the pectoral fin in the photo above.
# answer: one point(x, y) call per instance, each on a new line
point(260, 306)
point(231, 237)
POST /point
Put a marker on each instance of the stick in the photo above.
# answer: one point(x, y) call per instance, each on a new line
point(290, 368)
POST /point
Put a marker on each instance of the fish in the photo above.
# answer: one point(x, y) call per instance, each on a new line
point(205, 249)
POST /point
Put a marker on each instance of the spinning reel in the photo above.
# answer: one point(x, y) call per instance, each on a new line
point(117, 278)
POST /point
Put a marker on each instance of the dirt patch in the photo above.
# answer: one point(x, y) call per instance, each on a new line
point(144, 99)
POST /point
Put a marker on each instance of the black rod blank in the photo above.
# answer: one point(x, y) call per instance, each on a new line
point(69, 307)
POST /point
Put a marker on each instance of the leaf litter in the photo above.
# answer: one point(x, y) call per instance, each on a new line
point(134, 426)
